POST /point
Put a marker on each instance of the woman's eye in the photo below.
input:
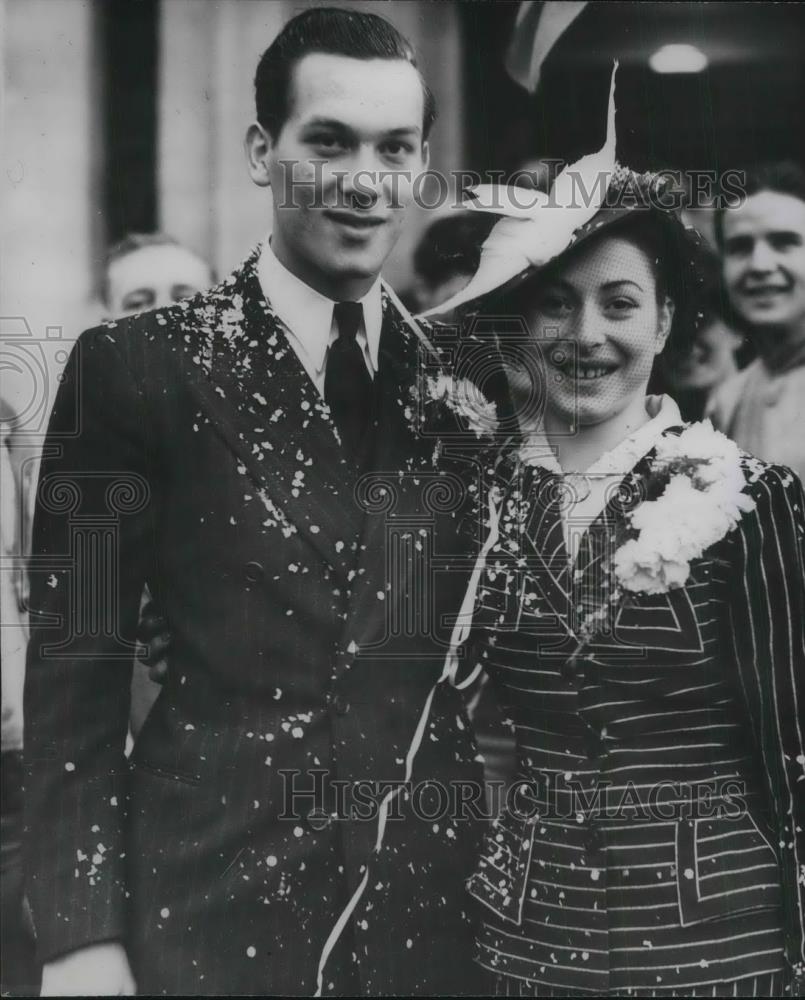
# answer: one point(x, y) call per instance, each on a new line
point(622, 304)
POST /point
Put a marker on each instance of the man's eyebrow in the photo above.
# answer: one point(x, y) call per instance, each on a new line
point(334, 123)
point(318, 122)
point(405, 130)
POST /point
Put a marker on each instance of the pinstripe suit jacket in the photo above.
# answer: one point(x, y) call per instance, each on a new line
point(654, 839)
point(188, 448)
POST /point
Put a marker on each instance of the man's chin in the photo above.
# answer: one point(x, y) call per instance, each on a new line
point(768, 320)
point(356, 267)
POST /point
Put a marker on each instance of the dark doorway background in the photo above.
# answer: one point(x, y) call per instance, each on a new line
point(745, 106)
point(128, 31)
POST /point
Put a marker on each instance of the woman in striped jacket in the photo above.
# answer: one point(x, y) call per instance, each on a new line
point(641, 617)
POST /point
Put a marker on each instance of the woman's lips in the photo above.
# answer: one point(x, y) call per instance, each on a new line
point(587, 371)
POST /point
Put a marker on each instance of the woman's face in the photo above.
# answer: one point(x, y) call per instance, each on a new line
point(599, 327)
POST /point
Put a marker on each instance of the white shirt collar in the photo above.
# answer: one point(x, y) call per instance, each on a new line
point(664, 413)
point(308, 315)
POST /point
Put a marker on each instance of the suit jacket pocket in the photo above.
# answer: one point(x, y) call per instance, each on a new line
point(724, 866)
point(502, 875)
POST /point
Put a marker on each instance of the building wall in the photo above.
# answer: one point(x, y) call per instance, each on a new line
point(209, 54)
point(52, 242)
point(51, 160)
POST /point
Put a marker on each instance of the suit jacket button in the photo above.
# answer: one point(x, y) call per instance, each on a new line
point(254, 572)
point(340, 705)
point(317, 819)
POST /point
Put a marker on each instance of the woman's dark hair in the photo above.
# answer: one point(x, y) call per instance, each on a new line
point(333, 31)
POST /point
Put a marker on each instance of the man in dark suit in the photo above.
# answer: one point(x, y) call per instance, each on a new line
point(252, 455)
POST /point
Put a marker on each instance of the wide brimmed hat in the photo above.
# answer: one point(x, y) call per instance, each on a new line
point(593, 195)
point(634, 202)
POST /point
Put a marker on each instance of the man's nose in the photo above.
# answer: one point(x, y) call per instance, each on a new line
point(363, 181)
point(763, 258)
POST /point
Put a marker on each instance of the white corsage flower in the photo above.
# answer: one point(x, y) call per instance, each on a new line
point(702, 501)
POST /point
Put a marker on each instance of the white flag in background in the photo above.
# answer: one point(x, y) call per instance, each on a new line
point(537, 29)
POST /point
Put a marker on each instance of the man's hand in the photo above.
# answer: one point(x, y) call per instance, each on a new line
point(95, 971)
point(152, 632)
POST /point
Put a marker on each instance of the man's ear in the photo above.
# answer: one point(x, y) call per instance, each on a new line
point(425, 154)
point(666, 321)
point(257, 145)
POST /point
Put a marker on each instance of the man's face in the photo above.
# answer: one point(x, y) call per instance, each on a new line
point(337, 220)
point(154, 277)
point(764, 259)
point(710, 360)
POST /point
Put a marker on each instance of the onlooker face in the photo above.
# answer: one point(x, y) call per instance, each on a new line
point(342, 168)
point(710, 360)
point(429, 296)
point(763, 246)
point(153, 277)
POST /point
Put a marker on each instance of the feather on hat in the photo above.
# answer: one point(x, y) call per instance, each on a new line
point(531, 236)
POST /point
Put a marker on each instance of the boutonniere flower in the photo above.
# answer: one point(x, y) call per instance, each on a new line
point(465, 399)
point(443, 394)
point(702, 501)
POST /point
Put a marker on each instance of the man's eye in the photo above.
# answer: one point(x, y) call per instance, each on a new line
point(785, 241)
point(396, 149)
point(328, 143)
point(180, 292)
point(139, 300)
point(738, 247)
point(555, 304)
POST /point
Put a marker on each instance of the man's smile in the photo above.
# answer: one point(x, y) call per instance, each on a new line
point(356, 222)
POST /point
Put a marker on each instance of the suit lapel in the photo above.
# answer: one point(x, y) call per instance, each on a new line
point(256, 393)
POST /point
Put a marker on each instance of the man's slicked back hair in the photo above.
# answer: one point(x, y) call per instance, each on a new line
point(333, 31)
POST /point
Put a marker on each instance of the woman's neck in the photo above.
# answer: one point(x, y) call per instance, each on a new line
point(578, 450)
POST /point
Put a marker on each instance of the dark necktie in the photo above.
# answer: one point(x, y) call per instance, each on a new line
point(347, 382)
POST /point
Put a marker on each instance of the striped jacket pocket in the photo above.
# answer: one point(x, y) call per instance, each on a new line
point(724, 866)
point(502, 874)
